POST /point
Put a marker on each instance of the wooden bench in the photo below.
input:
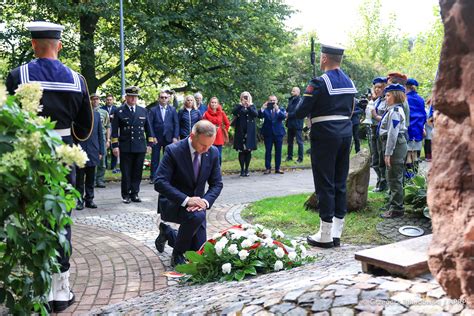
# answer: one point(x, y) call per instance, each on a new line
point(408, 258)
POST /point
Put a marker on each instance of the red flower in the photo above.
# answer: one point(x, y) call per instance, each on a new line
point(255, 245)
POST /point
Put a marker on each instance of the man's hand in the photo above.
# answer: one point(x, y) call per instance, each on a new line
point(195, 203)
point(264, 106)
point(107, 144)
point(387, 161)
point(175, 140)
point(148, 149)
point(155, 141)
point(115, 151)
point(100, 157)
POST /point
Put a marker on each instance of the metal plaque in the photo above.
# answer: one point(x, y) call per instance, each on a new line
point(411, 231)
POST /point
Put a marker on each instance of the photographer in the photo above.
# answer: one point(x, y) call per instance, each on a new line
point(355, 119)
point(272, 132)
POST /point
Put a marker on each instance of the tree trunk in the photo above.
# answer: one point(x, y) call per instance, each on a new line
point(88, 26)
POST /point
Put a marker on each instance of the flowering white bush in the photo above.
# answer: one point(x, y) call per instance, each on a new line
point(243, 250)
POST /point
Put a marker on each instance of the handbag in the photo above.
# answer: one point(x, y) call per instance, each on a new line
point(225, 133)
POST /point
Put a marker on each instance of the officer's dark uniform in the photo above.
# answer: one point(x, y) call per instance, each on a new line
point(128, 134)
point(65, 100)
point(329, 99)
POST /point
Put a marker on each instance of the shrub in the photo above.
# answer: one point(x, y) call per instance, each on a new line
point(415, 193)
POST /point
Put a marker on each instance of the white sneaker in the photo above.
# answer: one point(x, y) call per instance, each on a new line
point(323, 237)
point(336, 231)
point(63, 297)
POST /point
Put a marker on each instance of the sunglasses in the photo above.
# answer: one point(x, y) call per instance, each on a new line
point(163, 97)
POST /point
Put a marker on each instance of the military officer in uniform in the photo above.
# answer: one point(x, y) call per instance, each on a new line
point(329, 99)
point(66, 101)
point(130, 132)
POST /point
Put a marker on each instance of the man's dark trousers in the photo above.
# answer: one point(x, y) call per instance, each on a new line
point(331, 162)
point(88, 173)
point(292, 132)
point(155, 157)
point(271, 140)
point(131, 166)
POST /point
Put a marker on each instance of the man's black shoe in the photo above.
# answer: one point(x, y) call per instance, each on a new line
point(299, 161)
point(177, 258)
point(91, 205)
point(126, 200)
point(288, 159)
point(100, 185)
point(160, 241)
point(136, 199)
point(80, 206)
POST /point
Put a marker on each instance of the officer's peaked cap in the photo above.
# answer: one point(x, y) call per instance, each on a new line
point(132, 91)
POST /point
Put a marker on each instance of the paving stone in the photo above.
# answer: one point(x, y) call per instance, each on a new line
point(252, 309)
point(298, 311)
point(394, 309)
point(426, 309)
point(308, 298)
point(327, 294)
point(450, 305)
point(341, 311)
point(362, 277)
point(345, 300)
point(369, 306)
point(321, 304)
point(282, 308)
point(364, 286)
point(394, 286)
point(410, 313)
point(321, 314)
point(293, 295)
point(234, 308)
point(344, 292)
point(375, 295)
point(271, 302)
point(436, 293)
point(335, 287)
point(366, 314)
point(263, 313)
point(316, 288)
point(423, 287)
point(375, 280)
point(467, 312)
point(345, 282)
point(406, 299)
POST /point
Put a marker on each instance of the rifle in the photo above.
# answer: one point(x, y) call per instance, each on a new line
point(313, 57)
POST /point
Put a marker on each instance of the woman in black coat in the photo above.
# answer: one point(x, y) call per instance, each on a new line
point(245, 136)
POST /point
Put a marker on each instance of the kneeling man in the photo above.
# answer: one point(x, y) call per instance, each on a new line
point(181, 179)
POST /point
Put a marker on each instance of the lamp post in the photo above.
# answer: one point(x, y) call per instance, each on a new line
point(122, 58)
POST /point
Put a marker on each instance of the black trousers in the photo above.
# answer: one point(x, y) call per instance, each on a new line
point(330, 163)
point(85, 179)
point(131, 166)
point(298, 133)
point(355, 136)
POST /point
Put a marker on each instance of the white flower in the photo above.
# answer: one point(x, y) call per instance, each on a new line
point(226, 267)
point(224, 241)
point(279, 233)
point(303, 251)
point(236, 235)
point(246, 226)
point(218, 248)
point(278, 265)
point(280, 253)
point(294, 243)
point(268, 242)
point(267, 233)
point(72, 155)
point(243, 254)
point(253, 238)
point(250, 231)
point(29, 95)
point(233, 249)
point(216, 236)
point(3, 95)
point(246, 243)
point(292, 256)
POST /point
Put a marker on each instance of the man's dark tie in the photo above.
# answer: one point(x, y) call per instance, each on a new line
point(196, 165)
point(131, 109)
point(273, 114)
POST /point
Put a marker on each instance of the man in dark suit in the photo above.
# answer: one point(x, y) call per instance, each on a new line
point(85, 177)
point(273, 132)
point(181, 180)
point(131, 132)
point(165, 125)
point(294, 125)
point(111, 109)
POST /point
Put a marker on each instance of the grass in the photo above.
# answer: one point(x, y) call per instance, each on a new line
point(288, 214)
point(230, 161)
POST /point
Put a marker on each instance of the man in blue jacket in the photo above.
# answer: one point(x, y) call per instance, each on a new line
point(181, 181)
point(416, 127)
point(272, 132)
point(165, 125)
point(294, 126)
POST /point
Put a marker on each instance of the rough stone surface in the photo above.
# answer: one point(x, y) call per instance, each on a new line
point(451, 185)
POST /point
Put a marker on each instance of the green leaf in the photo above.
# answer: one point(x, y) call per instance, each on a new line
point(188, 268)
point(250, 270)
point(239, 275)
point(193, 256)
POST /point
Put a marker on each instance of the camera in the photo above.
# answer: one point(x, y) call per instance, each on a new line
point(363, 102)
point(270, 105)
